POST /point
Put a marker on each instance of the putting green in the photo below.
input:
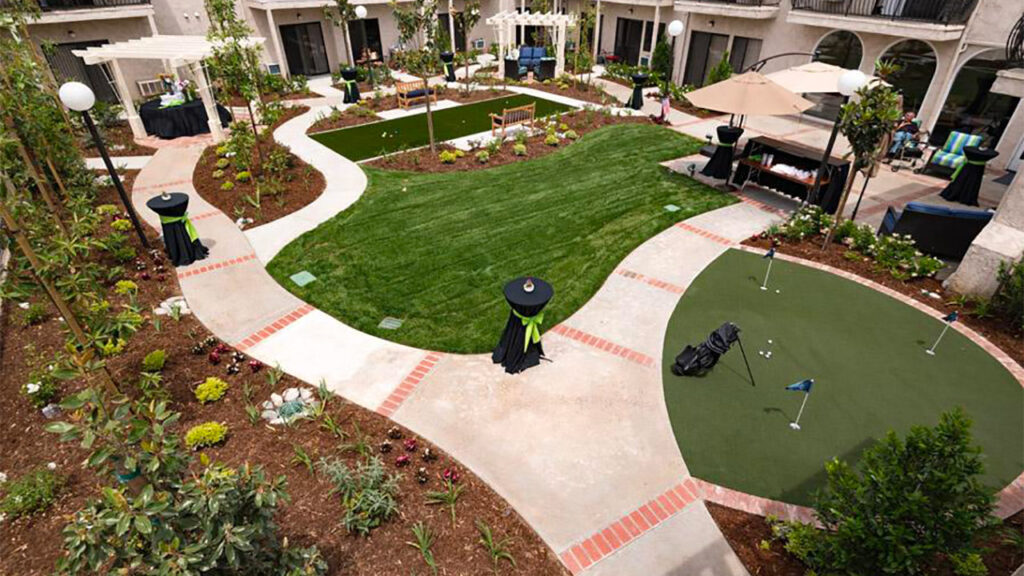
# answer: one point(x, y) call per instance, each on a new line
point(378, 138)
point(866, 353)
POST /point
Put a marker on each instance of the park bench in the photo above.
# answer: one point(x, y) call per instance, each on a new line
point(410, 93)
point(518, 116)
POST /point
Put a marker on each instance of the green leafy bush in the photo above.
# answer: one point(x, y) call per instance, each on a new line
point(125, 287)
point(968, 564)
point(911, 501)
point(551, 140)
point(571, 135)
point(33, 492)
point(217, 174)
point(121, 225)
point(211, 390)
point(243, 176)
point(483, 156)
point(223, 163)
point(519, 149)
point(222, 150)
point(106, 209)
point(227, 185)
point(447, 157)
point(112, 347)
point(368, 493)
point(721, 71)
point(1009, 297)
point(205, 434)
point(41, 389)
point(35, 314)
point(154, 361)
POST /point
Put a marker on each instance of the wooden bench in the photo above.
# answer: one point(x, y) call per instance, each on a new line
point(518, 116)
point(410, 93)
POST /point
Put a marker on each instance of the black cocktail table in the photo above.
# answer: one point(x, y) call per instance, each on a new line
point(348, 79)
point(448, 60)
point(520, 347)
point(181, 241)
point(965, 183)
point(720, 164)
point(636, 101)
point(186, 119)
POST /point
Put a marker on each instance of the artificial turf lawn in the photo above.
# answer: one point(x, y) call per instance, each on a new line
point(866, 353)
point(378, 138)
point(436, 249)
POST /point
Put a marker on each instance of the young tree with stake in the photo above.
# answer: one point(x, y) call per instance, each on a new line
point(468, 18)
point(340, 15)
point(417, 30)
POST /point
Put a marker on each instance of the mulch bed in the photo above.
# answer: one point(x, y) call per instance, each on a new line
point(390, 102)
point(343, 119)
point(421, 160)
point(31, 545)
point(299, 184)
point(998, 331)
point(581, 91)
point(745, 533)
point(118, 139)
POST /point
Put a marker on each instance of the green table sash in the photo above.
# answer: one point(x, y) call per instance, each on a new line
point(193, 235)
point(961, 167)
point(532, 324)
point(724, 145)
point(349, 84)
point(448, 69)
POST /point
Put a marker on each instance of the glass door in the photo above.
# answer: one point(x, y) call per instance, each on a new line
point(304, 49)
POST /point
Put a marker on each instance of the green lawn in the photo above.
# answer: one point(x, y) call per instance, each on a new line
point(377, 138)
point(866, 354)
point(436, 249)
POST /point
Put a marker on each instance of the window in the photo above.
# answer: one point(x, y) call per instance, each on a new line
point(365, 35)
point(649, 38)
point(839, 48)
point(745, 51)
point(972, 107)
point(627, 39)
point(916, 60)
point(706, 50)
point(460, 35)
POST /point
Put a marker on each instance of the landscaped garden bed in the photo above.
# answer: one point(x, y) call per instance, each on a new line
point(118, 138)
point(336, 119)
point(380, 103)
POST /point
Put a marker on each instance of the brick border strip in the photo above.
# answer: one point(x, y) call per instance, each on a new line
point(279, 324)
point(666, 286)
point(763, 206)
point(602, 344)
point(702, 232)
point(754, 504)
point(161, 185)
point(630, 527)
point(400, 394)
point(216, 266)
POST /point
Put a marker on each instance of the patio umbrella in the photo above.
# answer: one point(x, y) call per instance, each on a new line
point(811, 78)
point(749, 94)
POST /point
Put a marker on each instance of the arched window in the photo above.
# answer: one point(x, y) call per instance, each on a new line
point(839, 48)
point(916, 62)
point(971, 106)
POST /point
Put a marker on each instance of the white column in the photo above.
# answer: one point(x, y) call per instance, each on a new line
point(451, 23)
point(275, 35)
point(522, 29)
point(654, 31)
point(138, 130)
point(643, 40)
point(206, 95)
point(597, 28)
point(152, 25)
point(559, 50)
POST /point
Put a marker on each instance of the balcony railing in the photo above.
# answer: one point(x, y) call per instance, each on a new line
point(55, 5)
point(937, 11)
point(742, 2)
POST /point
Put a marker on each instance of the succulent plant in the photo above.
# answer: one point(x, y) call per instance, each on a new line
point(385, 447)
point(402, 460)
point(394, 432)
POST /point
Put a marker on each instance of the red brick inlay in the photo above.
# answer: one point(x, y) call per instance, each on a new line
point(667, 286)
point(204, 215)
point(215, 266)
point(702, 232)
point(762, 205)
point(411, 381)
point(161, 185)
point(602, 344)
point(633, 525)
point(279, 324)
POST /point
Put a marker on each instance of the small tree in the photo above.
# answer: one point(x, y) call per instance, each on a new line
point(582, 59)
point(911, 501)
point(342, 13)
point(661, 60)
point(721, 71)
point(417, 30)
point(468, 18)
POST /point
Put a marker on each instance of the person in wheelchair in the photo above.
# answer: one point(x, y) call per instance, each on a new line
point(908, 129)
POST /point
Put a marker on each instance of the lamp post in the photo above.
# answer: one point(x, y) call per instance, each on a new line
point(80, 98)
point(848, 84)
point(675, 28)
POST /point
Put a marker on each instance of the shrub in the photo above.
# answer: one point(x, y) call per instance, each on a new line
point(243, 176)
point(968, 564)
point(459, 153)
point(217, 174)
point(368, 493)
point(911, 501)
point(42, 388)
point(106, 209)
point(572, 135)
point(121, 225)
point(205, 434)
point(211, 390)
point(35, 314)
point(519, 149)
point(126, 287)
point(447, 157)
point(154, 361)
point(223, 163)
point(483, 156)
point(33, 492)
point(551, 140)
point(1009, 297)
point(112, 347)
point(227, 185)
point(563, 127)
point(721, 71)
point(222, 150)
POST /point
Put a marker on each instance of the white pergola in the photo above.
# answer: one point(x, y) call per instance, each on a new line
point(505, 23)
point(175, 52)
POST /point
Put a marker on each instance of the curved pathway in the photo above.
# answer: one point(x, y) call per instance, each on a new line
point(581, 447)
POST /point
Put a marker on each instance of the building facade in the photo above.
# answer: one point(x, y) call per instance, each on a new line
point(955, 72)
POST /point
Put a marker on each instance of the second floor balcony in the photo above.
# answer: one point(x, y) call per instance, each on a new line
point(57, 11)
point(55, 5)
point(937, 20)
point(756, 9)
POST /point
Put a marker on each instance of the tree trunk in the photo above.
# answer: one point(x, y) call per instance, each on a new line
point(344, 38)
point(256, 143)
point(430, 115)
point(466, 80)
point(842, 206)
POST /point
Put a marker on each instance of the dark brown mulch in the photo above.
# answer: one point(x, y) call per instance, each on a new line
point(746, 532)
point(421, 160)
point(30, 546)
point(390, 102)
point(343, 119)
point(119, 141)
point(999, 331)
point(296, 187)
point(581, 91)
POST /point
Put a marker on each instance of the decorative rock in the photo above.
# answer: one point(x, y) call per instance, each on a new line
point(306, 394)
point(269, 414)
point(24, 305)
point(3, 477)
point(268, 405)
point(291, 394)
point(276, 399)
point(51, 411)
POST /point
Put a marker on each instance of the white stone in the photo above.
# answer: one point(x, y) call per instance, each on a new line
point(161, 312)
point(277, 421)
point(276, 399)
point(269, 414)
point(268, 405)
point(3, 477)
point(306, 394)
point(291, 394)
point(51, 466)
point(23, 305)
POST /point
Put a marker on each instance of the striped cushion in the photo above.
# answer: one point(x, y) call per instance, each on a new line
point(956, 142)
point(948, 159)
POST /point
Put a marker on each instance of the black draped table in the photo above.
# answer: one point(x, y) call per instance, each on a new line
point(186, 119)
point(180, 238)
point(720, 164)
point(636, 101)
point(351, 85)
point(448, 61)
point(520, 347)
point(965, 183)
point(753, 167)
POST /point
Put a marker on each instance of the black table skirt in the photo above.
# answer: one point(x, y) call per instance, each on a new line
point(509, 352)
point(181, 250)
point(448, 60)
point(350, 86)
point(636, 101)
point(720, 164)
point(965, 187)
point(187, 119)
point(828, 196)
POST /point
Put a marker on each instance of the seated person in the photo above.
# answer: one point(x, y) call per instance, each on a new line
point(906, 131)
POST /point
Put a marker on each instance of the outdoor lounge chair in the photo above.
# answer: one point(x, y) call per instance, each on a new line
point(948, 158)
point(937, 230)
point(411, 93)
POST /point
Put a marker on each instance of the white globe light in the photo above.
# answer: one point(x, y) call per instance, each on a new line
point(851, 81)
point(675, 28)
point(360, 12)
point(76, 96)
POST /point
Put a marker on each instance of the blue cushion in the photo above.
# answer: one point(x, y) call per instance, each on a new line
point(417, 93)
point(948, 159)
point(522, 69)
point(948, 211)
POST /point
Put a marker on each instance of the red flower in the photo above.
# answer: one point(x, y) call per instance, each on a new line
point(222, 348)
point(402, 460)
point(410, 445)
point(451, 474)
point(255, 365)
point(214, 358)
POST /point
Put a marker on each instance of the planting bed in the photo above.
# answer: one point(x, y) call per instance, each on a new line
point(119, 141)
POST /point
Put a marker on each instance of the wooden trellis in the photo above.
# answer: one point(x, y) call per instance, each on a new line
point(505, 23)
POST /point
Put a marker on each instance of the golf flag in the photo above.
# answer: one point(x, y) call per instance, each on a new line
point(770, 253)
point(770, 256)
point(802, 386)
point(948, 319)
point(951, 317)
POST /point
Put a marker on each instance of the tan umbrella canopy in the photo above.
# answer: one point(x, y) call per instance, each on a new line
point(811, 78)
point(749, 94)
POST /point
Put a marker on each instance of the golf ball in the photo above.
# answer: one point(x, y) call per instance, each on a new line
point(769, 340)
point(777, 291)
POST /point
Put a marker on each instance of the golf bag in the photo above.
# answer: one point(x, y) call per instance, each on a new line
point(696, 361)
